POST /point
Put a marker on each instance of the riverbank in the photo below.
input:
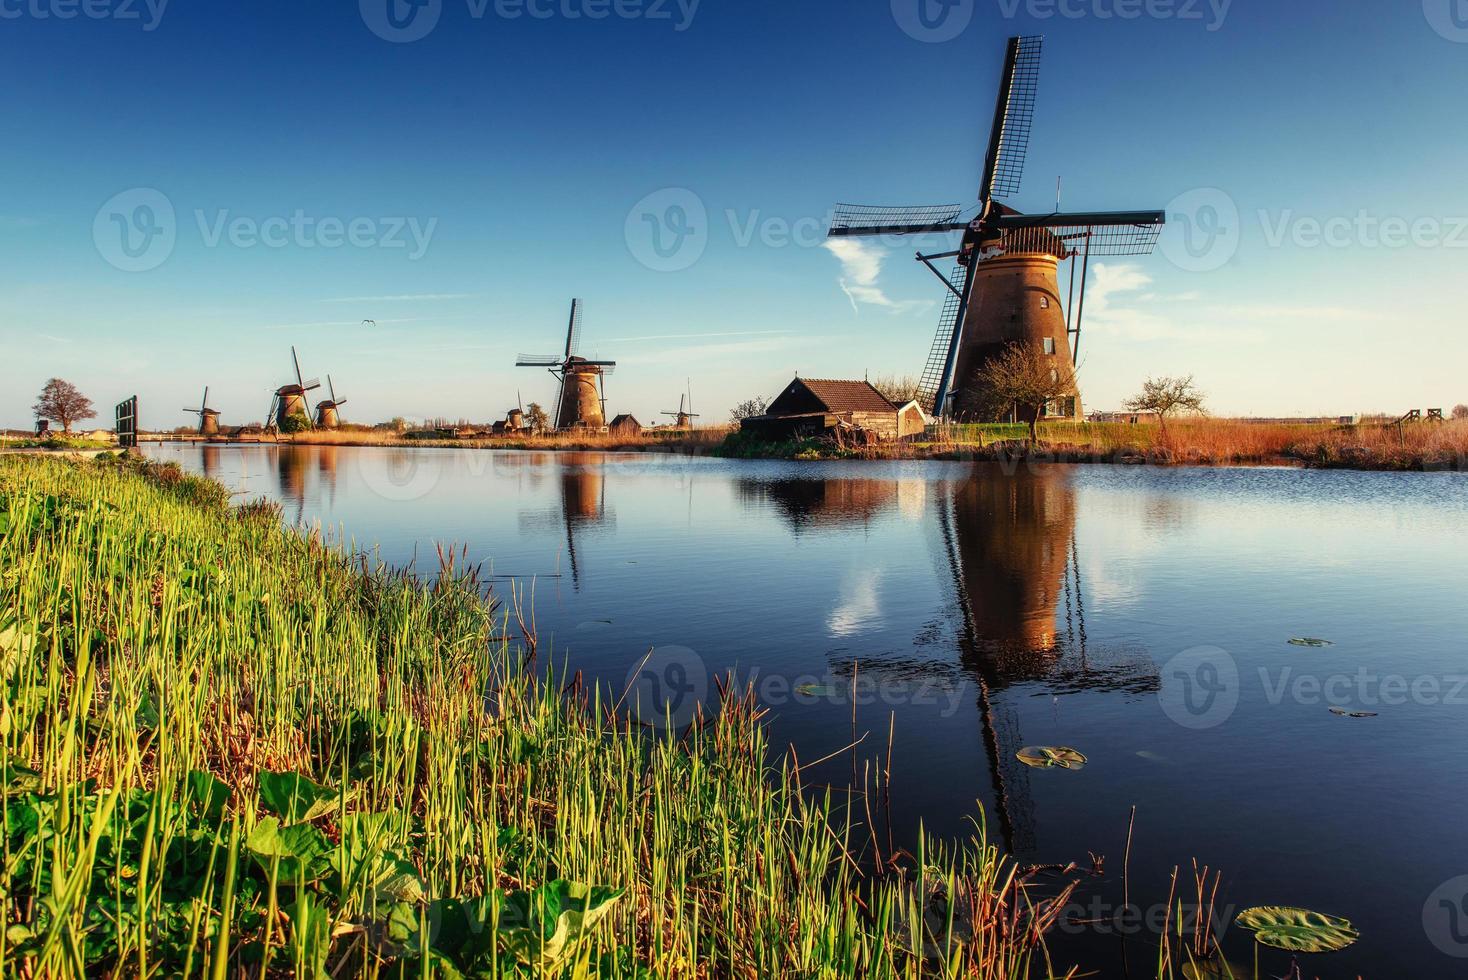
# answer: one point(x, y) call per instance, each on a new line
point(1440, 446)
point(231, 749)
point(1419, 446)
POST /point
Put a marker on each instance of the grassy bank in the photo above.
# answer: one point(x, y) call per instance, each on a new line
point(228, 750)
point(1205, 442)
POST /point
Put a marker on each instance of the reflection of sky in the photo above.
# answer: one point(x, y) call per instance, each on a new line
point(804, 570)
point(857, 607)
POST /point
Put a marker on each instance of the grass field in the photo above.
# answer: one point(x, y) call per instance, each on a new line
point(232, 751)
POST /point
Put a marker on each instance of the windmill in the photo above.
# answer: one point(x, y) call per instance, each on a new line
point(208, 417)
point(685, 414)
point(582, 401)
point(290, 400)
point(327, 414)
point(1004, 288)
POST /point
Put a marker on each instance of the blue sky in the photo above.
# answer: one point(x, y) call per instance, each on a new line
point(322, 168)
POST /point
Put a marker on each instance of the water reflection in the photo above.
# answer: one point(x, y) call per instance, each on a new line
point(583, 508)
point(814, 505)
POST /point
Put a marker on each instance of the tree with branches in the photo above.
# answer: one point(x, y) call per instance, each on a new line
point(897, 390)
point(1167, 396)
point(1460, 411)
point(748, 409)
point(536, 419)
point(1025, 377)
point(61, 402)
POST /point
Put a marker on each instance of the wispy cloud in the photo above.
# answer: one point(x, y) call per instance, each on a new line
point(335, 323)
point(861, 267)
point(54, 339)
point(698, 336)
point(406, 298)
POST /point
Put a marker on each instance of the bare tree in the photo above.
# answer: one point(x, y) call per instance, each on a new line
point(1166, 396)
point(1026, 377)
point(60, 401)
point(1460, 411)
point(897, 390)
point(535, 418)
point(748, 409)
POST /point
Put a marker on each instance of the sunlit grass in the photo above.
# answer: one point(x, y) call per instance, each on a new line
point(229, 750)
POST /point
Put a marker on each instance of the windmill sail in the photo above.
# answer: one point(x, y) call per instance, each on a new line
point(939, 356)
point(862, 219)
point(1014, 113)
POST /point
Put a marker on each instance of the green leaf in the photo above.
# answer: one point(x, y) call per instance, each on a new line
point(543, 925)
point(209, 793)
point(1298, 930)
point(1051, 757)
point(293, 797)
point(311, 934)
point(293, 850)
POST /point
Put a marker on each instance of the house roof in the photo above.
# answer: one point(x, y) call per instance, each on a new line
point(847, 396)
point(620, 419)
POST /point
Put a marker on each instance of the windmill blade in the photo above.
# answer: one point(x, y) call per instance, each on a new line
point(1091, 233)
point(938, 371)
point(850, 220)
point(573, 330)
point(311, 385)
point(331, 389)
point(561, 404)
point(1014, 112)
point(539, 360)
point(602, 364)
point(338, 404)
point(205, 406)
point(297, 361)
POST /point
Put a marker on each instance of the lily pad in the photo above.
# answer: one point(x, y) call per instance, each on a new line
point(1298, 930)
point(1310, 641)
point(1051, 757)
point(817, 690)
point(1342, 712)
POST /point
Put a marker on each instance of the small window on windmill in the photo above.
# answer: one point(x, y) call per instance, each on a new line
point(1050, 346)
point(1044, 302)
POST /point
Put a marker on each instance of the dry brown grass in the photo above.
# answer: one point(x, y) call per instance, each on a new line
point(1410, 446)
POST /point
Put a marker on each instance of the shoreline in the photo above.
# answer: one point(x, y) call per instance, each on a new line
point(1332, 449)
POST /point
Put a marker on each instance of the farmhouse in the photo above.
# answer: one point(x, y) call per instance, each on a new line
point(813, 407)
point(625, 426)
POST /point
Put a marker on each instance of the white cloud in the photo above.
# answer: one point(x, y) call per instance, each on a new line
point(861, 267)
point(411, 298)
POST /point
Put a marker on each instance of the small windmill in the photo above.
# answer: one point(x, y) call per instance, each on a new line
point(685, 415)
point(582, 400)
point(1004, 289)
point(327, 414)
point(208, 417)
point(290, 400)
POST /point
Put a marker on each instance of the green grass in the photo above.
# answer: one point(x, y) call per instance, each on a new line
point(232, 751)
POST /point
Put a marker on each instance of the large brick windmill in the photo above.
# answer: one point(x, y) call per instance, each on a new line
point(582, 401)
point(1005, 289)
point(290, 400)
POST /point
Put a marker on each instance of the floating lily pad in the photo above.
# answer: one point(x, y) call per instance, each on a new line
point(1298, 930)
point(817, 690)
point(1051, 757)
point(1352, 714)
point(1310, 641)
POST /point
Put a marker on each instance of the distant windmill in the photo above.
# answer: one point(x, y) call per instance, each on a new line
point(582, 401)
point(290, 400)
point(685, 414)
point(1004, 289)
point(208, 417)
point(327, 416)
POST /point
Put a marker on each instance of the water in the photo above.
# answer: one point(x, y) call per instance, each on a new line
point(1141, 615)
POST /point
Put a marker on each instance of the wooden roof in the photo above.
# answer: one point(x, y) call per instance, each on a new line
point(845, 396)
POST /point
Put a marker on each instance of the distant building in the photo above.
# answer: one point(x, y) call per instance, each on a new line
point(625, 426)
point(813, 407)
